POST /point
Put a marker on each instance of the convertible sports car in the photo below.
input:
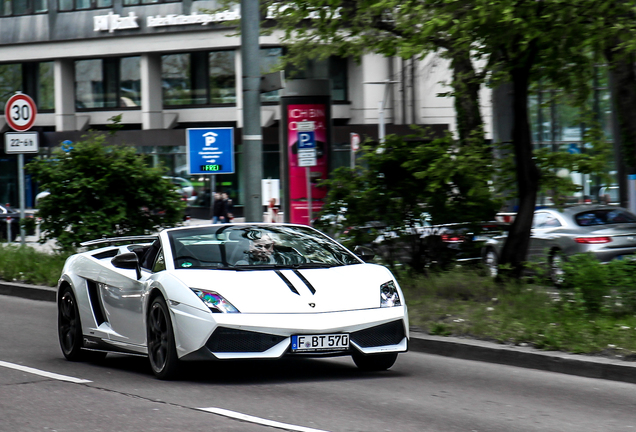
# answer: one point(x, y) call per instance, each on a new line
point(233, 291)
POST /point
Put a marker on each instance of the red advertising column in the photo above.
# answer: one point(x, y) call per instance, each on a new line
point(304, 101)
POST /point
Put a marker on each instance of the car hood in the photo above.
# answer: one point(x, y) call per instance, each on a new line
point(333, 289)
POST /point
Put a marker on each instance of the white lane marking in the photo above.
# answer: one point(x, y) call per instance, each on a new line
point(258, 420)
point(43, 373)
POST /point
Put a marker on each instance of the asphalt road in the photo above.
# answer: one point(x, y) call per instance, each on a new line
point(421, 392)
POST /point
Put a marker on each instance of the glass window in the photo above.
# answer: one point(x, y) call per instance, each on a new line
point(40, 6)
point(20, 7)
point(46, 94)
point(108, 83)
point(270, 57)
point(89, 84)
point(175, 73)
point(130, 82)
point(69, 5)
point(10, 81)
point(222, 77)
point(131, 2)
point(65, 5)
point(6, 9)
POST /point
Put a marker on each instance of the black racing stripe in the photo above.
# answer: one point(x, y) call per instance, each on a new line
point(302, 278)
point(289, 284)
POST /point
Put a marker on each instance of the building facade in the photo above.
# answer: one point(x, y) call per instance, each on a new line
point(170, 65)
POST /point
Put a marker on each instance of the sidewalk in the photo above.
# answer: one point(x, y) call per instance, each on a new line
point(468, 349)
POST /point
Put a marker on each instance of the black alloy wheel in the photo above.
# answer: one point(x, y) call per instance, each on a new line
point(162, 350)
point(69, 327)
point(374, 362)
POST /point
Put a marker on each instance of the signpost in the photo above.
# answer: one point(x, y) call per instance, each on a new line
point(20, 112)
point(355, 146)
point(210, 151)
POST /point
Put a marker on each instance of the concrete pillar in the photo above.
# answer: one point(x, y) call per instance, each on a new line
point(376, 68)
point(64, 77)
point(151, 92)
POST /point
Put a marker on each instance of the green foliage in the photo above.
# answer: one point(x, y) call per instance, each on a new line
point(25, 264)
point(467, 303)
point(411, 178)
point(97, 190)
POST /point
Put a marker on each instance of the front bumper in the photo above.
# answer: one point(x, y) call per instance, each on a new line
point(206, 336)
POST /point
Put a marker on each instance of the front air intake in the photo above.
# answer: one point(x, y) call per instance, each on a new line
point(390, 333)
point(232, 340)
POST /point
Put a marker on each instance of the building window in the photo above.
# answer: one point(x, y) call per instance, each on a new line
point(70, 5)
point(145, 2)
point(333, 69)
point(23, 7)
point(199, 78)
point(10, 80)
point(34, 79)
point(108, 83)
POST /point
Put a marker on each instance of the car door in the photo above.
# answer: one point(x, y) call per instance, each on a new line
point(123, 299)
point(545, 226)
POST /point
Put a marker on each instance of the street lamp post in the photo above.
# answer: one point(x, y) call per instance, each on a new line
point(382, 105)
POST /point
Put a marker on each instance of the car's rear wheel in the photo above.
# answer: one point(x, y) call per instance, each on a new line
point(162, 350)
point(374, 362)
point(557, 274)
point(491, 261)
point(69, 329)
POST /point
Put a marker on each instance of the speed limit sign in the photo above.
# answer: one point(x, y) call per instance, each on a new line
point(20, 112)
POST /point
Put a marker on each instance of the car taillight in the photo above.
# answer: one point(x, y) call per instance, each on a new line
point(452, 238)
point(593, 240)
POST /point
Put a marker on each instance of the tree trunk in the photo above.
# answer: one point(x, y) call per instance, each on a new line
point(466, 85)
point(516, 247)
point(623, 88)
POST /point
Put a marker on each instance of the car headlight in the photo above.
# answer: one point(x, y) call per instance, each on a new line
point(389, 295)
point(215, 301)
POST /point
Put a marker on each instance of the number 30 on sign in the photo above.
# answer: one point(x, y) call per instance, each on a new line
point(20, 112)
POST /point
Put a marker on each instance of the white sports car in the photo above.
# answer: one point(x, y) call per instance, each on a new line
point(233, 291)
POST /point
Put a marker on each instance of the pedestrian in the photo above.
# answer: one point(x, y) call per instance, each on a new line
point(218, 211)
point(228, 207)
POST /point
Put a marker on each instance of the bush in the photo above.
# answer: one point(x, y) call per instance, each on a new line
point(97, 190)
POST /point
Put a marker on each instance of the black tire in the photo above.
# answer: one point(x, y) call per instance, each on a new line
point(69, 329)
point(162, 351)
point(374, 362)
point(491, 261)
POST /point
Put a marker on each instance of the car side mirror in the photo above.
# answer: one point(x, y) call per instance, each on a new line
point(364, 253)
point(128, 261)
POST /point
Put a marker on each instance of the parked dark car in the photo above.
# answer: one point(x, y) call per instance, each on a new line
point(9, 215)
point(428, 246)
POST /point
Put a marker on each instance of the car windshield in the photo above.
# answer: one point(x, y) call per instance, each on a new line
point(604, 217)
point(245, 247)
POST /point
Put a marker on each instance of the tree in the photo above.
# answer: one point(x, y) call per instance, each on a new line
point(515, 41)
point(97, 190)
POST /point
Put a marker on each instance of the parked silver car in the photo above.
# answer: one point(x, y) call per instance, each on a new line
point(609, 232)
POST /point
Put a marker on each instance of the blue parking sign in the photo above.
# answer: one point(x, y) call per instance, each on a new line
point(306, 140)
point(210, 150)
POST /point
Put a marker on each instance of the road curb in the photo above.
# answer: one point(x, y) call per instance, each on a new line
point(526, 357)
point(467, 349)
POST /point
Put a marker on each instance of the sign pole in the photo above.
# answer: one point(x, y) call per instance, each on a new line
point(22, 200)
point(309, 203)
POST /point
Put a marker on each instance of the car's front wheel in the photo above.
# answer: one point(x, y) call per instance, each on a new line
point(162, 350)
point(374, 362)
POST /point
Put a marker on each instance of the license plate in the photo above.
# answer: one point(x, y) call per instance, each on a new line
point(327, 342)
